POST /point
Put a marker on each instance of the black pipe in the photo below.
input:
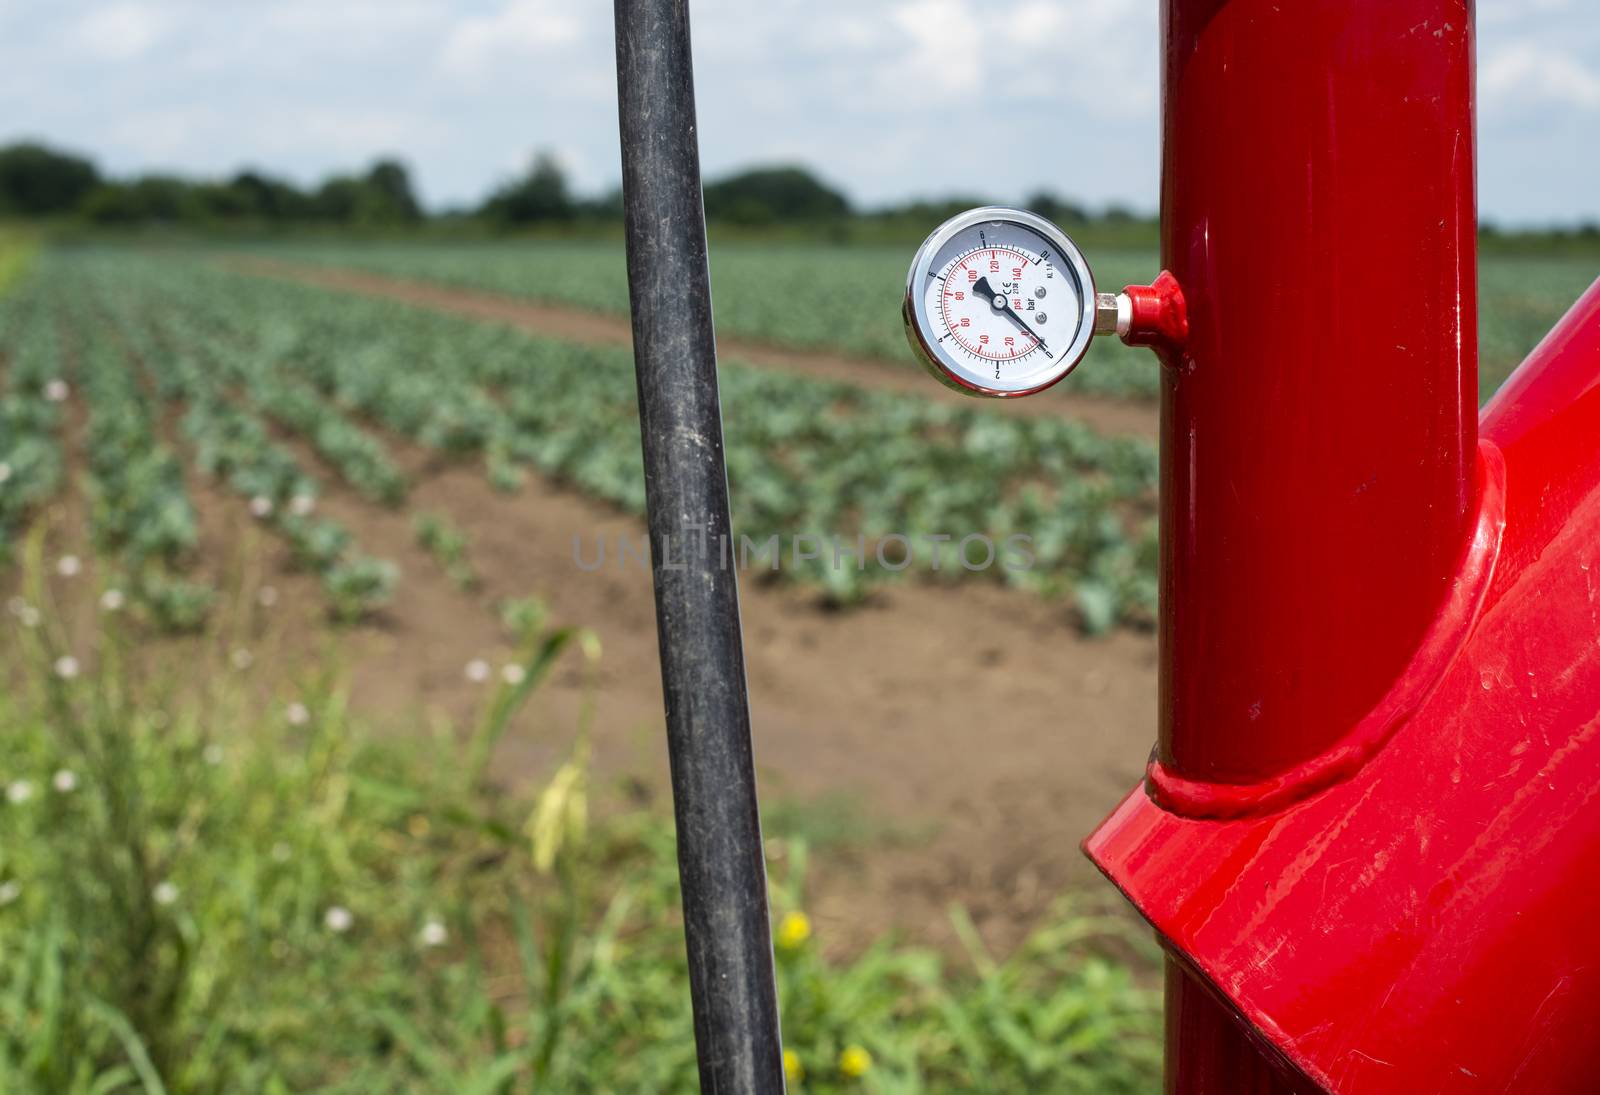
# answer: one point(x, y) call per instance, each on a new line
point(720, 859)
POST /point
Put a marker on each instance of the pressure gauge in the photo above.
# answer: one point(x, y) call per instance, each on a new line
point(1000, 302)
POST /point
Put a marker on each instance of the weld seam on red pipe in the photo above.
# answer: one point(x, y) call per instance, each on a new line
point(1444, 640)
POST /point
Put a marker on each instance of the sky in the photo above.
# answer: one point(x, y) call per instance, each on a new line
point(865, 92)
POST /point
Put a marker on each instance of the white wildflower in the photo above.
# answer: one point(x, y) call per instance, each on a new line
point(10, 890)
point(267, 596)
point(19, 791)
point(301, 505)
point(433, 934)
point(297, 713)
point(513, 674)
point(241, 658)
point(66, 666)
point(5, 471)
point(65, 780)
point(212, 754)
point(57, 391)
point(165, 893)
point(261, 507)
point(338, 919)
point(28, 617)
point(477, 671)
point(69, 566)
point(112, 600)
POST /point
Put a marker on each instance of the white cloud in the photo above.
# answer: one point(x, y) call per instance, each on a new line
point(941, 47)
point(362, 22)
point(519, 30)
point(121, 32)
point(1525, 72)
point(1492, 13)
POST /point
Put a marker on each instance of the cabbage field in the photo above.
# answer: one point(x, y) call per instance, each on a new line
point(848, 298)
point(272, 388)
point(841, 299)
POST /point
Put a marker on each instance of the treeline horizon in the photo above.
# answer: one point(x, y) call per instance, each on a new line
point(39, 182)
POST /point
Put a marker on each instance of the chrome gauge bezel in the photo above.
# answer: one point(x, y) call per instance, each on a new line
point(922, 328)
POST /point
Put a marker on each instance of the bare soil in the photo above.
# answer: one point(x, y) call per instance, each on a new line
point(970, 731)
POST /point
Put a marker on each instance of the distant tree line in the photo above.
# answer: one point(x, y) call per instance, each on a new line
point(37, 181)
point(40, 182)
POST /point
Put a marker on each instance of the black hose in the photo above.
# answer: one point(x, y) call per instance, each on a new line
point(720, 859)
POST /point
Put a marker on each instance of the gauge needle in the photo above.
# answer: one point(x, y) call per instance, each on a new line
point(999, 304)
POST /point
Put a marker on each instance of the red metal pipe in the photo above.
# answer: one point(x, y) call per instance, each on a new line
point(1211, 1052)
point(1319, 422)
point(1378, 878)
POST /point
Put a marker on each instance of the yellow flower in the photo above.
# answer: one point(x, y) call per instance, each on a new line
point(589, 643)
point(855, 1061)
point(793, 930)
point(792, 1068)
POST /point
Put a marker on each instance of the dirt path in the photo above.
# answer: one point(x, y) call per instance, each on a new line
point(1108, 415)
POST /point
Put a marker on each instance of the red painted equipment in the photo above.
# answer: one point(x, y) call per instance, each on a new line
point(1370, 834)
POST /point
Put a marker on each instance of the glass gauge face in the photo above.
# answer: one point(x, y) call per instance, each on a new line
point(999, 302)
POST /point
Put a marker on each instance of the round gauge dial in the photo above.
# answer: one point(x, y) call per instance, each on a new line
point(999, 302)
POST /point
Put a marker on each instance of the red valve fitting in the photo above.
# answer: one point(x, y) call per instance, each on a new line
point(1158, 316)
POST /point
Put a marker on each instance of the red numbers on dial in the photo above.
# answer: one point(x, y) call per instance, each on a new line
point(999, 346)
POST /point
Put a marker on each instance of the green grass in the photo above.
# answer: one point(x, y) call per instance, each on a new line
point(203, 892)
point(847, 298)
